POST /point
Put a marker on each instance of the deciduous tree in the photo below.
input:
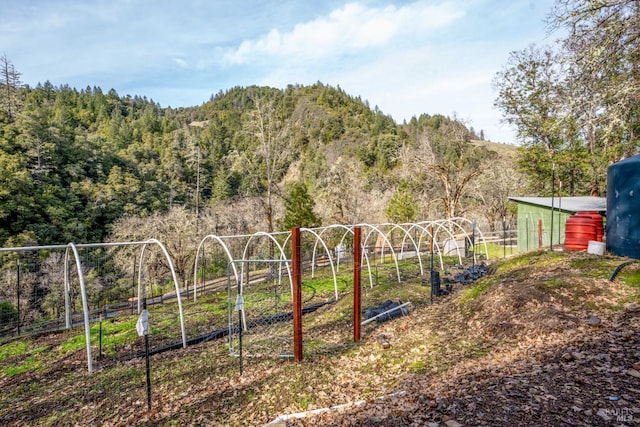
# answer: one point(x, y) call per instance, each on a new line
point(266, 162)
point(446, 155)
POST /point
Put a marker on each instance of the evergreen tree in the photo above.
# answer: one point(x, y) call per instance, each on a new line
point(402, 206)
point(299, 206)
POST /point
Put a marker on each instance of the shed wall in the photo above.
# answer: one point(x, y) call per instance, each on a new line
point(528, 217)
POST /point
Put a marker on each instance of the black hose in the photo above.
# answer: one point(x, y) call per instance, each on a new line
point(620, 267)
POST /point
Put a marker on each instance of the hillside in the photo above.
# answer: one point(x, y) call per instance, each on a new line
point(545, 340)
point(504, 150)
point(75, 162)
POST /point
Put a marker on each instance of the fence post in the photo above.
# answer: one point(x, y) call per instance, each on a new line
point(357, 303)
point(539, 233)
point(297, 294)
point(18, 292)
point(553, 170)
point(431, 244)
point(204, 278)
point(473, 242)
point(504, 238)
point(133, 284)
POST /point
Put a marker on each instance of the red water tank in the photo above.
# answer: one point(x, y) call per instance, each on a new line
point(598, 221)
point(579, 230)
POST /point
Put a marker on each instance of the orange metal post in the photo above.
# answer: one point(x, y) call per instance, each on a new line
point(297, 294)
point(357, 233)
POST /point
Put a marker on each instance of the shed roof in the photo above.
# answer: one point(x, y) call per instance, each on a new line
point(570, 204)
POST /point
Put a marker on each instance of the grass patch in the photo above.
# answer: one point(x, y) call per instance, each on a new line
point(13, 349)
point(325, 284)
point(31, 363)
point(593, 267)
point(538, 258)
point(630, 275)
point(476, 290)
point(219, 309)
point(74, 343)
point(555, 283)
point(304, 401)
point(115, 333)
point(418, 367)
point(495, 250)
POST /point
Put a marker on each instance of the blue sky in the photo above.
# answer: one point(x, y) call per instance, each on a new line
point(406, 57)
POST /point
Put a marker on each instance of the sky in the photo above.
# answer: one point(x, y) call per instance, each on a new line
point(405, 57)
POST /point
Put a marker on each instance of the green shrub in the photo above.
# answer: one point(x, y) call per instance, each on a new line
point(8, 315)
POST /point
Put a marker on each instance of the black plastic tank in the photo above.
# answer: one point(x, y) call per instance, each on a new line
point(623, 208)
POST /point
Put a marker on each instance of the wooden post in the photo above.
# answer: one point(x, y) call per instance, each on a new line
point(539, 233)
point(357, 233)
point(297, 294)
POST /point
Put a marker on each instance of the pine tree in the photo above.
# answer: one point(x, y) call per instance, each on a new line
point(402, 206)
point(299, 207)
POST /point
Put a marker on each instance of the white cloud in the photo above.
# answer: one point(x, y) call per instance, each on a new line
point(181, 62)
point(352, 28)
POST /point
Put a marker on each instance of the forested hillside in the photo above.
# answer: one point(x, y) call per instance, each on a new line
point(72, 162)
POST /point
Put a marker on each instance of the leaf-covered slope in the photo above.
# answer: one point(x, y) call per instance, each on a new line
point(547, 340)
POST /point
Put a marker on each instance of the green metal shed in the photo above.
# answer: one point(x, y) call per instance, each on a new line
point(536, 213)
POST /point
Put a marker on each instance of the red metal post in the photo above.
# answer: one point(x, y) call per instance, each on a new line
point(431, 238)
point(357, 256)
point(297, 294)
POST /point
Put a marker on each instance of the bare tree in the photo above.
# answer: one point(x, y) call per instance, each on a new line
point(52, 279)
point(448, 159)
point(236, 216)
point(176, 229)
point(494, 187)
point(9, 84)
point(345, 197)
point(267, 164)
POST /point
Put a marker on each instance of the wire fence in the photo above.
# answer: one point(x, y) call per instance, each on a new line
point(40, 291)
point(500, 243)
point(260, 309)
point(34, 295)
